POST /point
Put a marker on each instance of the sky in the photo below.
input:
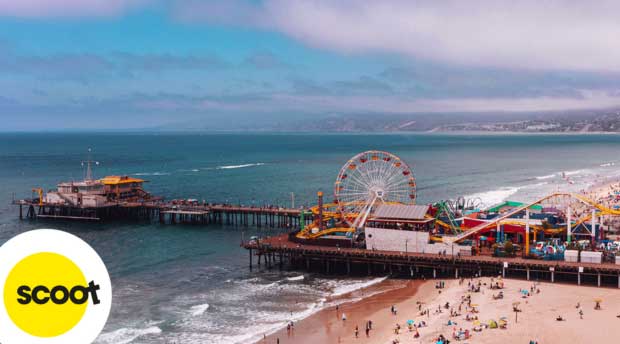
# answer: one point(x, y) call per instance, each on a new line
point(122, 64)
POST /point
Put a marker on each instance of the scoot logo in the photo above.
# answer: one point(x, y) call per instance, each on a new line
point(54, 289)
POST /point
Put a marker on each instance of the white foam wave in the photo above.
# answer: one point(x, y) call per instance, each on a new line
point(296, 278)
point(608, 164)
point(228, 167)
point(570, 173)
point(151, 174)
point(126, 335)
point(490, 198)
point(199, 309)
point(349, 288)
point(546, 177)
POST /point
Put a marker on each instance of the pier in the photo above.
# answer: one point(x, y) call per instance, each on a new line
point(169, 213)
point(283, 250)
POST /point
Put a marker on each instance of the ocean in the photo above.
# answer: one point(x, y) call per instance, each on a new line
point(192, 284)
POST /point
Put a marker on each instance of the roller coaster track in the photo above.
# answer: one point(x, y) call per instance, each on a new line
point(604, 210)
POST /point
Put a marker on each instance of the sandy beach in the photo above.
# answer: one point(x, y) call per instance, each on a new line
point(537, 318)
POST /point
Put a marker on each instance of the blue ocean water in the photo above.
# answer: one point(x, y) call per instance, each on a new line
point(191, 284)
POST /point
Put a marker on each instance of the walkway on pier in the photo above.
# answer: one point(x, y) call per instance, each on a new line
point(281, 245)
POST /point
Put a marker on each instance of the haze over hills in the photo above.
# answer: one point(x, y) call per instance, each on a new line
point(551, 122)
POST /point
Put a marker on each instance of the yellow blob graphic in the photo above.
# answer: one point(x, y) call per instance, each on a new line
point(48, 319)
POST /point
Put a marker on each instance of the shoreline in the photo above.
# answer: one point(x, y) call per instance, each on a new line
point(536, 319)
point(327, 326)
point(363, 292)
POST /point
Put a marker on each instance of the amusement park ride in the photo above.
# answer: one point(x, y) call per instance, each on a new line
point(367, 180)
point(376, 182)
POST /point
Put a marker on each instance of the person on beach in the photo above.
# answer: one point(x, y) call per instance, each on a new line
point(357, 331)
point(367, 332)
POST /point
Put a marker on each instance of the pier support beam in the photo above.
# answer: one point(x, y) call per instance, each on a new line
point(348, 267)
point(504, 272)
point(552, 276)
point(528, 274)
point(250, 259)
point(599, 279)
point(619, 281)
point(579, 278)
point(434, 273)
point(456, 273)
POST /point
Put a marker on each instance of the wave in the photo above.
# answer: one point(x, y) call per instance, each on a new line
point(151, 174)
point(546, 177)
point(607, 164)
point(229, 167)
point(346, 289)
point(570, 173)
point(199, 309)
point(296, 278)
point(126, 335)
point(490, 198)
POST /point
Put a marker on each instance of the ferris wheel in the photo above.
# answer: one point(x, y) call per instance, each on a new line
point(369, 179)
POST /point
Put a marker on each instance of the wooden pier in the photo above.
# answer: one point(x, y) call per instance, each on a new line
point(170, 213)
point(286, 250)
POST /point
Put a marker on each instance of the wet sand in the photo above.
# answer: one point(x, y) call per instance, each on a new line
point(327, 326)
point(536, 321)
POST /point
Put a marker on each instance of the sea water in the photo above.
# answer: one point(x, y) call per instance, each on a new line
point(192, 284)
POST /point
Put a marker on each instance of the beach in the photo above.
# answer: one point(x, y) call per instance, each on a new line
point(536, 319)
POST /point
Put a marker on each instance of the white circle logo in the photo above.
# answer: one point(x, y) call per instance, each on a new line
point(54, 288)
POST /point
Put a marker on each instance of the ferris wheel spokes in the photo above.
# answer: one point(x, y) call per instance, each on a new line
point(371, 177)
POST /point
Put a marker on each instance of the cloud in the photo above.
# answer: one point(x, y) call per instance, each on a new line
point(363, 85)
point(421, 79)
point(67, 8)
point(589, 100)
point(528, 34)
point(264, 60)
point(86, 67)
point(257, 103)
point(163, 62)
point(307, 86)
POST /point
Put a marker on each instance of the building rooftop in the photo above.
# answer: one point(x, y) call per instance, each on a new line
point(398, 211)
point(115, 180)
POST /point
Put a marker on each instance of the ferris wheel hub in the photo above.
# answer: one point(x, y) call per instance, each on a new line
point(377, 191)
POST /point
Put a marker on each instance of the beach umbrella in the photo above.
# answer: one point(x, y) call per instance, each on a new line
point(524, 292)
point(598, 300)
point(409, 322)
point(474, 305)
